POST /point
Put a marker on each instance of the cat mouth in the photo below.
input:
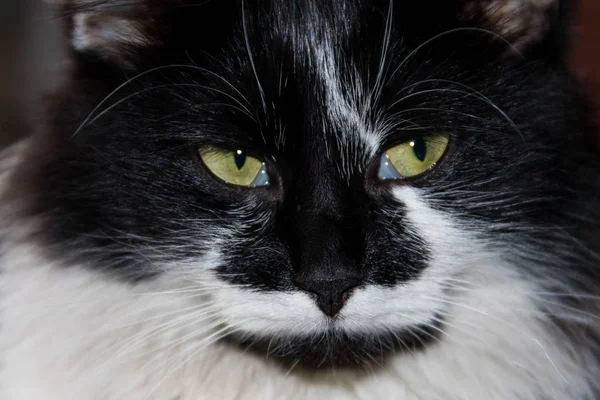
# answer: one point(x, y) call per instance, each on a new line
point(339, 349)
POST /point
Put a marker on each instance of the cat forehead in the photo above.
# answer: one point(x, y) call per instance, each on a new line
point(337, 95)
point(344, 96)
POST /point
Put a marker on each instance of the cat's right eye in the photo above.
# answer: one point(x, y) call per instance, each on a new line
point(235, 167)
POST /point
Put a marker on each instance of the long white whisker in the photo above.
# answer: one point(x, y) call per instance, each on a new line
point(475, 94)
point(142, 74)
point(251, 57)
point(141, 92)
point(449, 32)
point(376, 92)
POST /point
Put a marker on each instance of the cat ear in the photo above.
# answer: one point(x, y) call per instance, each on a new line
point(523, 23)
point(114, 30)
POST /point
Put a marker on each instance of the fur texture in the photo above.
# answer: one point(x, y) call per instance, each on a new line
point(129, 271)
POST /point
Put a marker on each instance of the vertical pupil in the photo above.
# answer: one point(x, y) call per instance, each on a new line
point(240, 159)
point(419, 148)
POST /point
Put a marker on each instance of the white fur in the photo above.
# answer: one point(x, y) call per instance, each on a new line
point(346, 103)
point(346, 98)
point(69, 333)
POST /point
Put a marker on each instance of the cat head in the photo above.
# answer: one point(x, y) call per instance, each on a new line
point(327, 172)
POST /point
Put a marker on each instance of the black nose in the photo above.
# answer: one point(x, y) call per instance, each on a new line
point(331, 293)
point(327, 240)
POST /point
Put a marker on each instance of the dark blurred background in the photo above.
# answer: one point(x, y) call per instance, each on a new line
point(31, 51)
point(30, 58)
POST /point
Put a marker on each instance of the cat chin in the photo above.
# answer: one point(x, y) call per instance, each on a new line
point(340, 349)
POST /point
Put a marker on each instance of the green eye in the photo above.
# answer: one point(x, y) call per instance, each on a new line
point(412, 158)
point(235, 167)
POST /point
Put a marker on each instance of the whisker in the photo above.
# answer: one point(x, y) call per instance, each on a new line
point(141, 92)
point(376, 92)
point(251, 57)
point(141, 75)
point(483, 313)
point(131, 298)
point(215, 337)
point(133, 342)
point(449, 32)
point(203, 308)
point(294, 365)
point(475, 94)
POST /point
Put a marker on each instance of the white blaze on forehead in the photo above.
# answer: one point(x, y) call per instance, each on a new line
point(345, 99)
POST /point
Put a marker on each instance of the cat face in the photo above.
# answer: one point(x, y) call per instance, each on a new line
point(327, 173)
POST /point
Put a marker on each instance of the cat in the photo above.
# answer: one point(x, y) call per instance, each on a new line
point(285, 199)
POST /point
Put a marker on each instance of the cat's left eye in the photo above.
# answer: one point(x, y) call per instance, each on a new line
point(235, 167)
point(412, 158)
